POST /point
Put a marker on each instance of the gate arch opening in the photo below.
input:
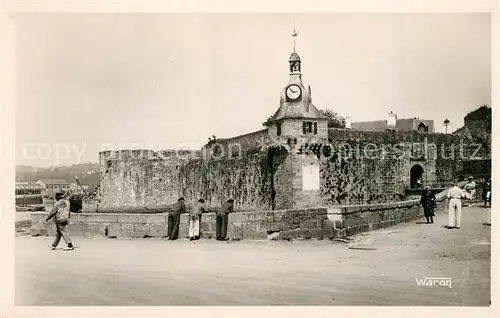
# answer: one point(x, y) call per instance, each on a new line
point(416, 173)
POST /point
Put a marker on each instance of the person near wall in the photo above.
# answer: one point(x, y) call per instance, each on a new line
point(470, 189)
point(428, 202)
point(487, 193)
point(222, 218)
point(195, 219)
point(455, 195)
point(61, 214)
point(418, 184)
point(174, 219)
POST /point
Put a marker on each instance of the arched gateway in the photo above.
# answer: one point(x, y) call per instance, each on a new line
point(416, 173)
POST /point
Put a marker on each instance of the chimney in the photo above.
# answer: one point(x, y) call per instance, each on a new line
point(348, 122)
point(391, 120)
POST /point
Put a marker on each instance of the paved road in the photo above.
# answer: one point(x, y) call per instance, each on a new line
point(157, 272)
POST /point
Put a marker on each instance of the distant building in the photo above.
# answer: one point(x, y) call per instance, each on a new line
point(26, 188)
point(402, 124)
point(54, 185)
point(78, 189)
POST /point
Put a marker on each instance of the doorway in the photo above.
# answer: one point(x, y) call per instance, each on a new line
point(416, 173)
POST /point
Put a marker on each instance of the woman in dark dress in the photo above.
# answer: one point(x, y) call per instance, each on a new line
point(428, 201)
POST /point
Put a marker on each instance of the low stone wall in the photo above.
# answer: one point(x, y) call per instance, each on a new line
point(317, 223)
point(104, 224)
point(28, 199)
point(288, 224)
point(353, 219)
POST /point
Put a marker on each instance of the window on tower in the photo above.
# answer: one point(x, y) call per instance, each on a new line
point(307, 127)
point(278, 129)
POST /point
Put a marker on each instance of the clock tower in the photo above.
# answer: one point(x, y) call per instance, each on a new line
point(298, 134)
point(297, 119)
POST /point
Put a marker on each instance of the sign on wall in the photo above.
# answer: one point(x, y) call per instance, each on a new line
point(310, 177)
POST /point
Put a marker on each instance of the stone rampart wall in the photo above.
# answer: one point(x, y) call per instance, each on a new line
point(141, 177)
point(246, 179)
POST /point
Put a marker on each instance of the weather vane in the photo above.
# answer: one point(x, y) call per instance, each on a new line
point(294, 35)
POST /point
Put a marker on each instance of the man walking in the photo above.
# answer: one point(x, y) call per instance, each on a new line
point(222, 218)
point(454, 196)
point(61, 215)
point(195, 219)
point(174, 218)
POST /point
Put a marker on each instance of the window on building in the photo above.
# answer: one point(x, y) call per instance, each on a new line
point(278, 129)
point(315, 128)
point(307, 127)
point(423, 127)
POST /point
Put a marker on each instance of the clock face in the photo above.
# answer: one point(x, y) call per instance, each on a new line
point(293, 92)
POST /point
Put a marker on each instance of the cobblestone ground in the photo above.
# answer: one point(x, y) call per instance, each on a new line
point(379, 268)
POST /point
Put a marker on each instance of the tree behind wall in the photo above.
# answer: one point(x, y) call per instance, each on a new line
point(334, 119)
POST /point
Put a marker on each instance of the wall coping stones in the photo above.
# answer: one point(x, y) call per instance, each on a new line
point(442, 195)
point(160, 209)
point(340, 209)
point(349, 209)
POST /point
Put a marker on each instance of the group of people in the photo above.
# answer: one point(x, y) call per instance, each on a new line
point(470, 191)
point(61, 214)
point(455, 196)
point(195, 215)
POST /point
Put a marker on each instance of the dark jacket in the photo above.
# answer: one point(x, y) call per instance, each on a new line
point(178, 208)
point(226, 209)
point(428, 198)
point(486, 189)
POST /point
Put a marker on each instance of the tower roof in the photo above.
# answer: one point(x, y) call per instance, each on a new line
point(294, 57)
point(299, 111)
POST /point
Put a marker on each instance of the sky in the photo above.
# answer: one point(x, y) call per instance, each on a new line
point(98, 81)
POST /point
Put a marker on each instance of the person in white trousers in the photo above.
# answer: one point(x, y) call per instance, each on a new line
point(455, 196)
point(195, 219)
